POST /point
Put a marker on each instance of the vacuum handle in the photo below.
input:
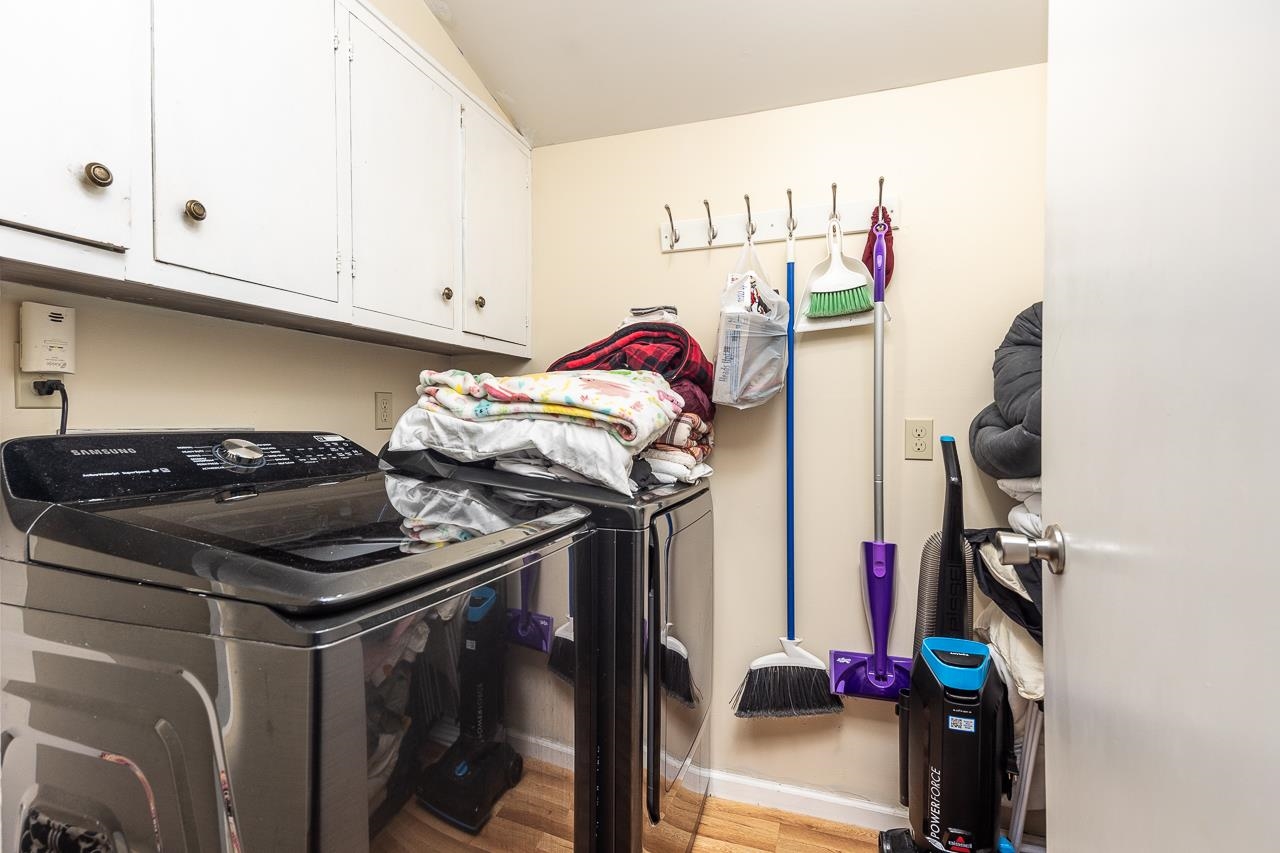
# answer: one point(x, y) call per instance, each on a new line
point(950, 460)
point(953, 610)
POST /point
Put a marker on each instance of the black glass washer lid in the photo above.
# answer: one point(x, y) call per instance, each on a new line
point(298, 546)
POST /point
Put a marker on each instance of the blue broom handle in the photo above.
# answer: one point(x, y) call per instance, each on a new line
point(791, 441)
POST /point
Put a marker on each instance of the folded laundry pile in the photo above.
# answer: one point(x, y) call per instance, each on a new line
point(679, 454)
point(641, 393)
point(667, 348)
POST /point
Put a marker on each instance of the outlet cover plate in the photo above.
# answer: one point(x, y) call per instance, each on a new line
point(25, 397)
point(918, 439)
point(384, 416)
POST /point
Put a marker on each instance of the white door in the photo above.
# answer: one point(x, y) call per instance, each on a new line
point(64, 106)
point(1162, 397)
point(405, 177)
point(245, 127)
point(496, 239)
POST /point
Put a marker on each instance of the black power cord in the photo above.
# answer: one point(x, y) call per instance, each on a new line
point(45, 387)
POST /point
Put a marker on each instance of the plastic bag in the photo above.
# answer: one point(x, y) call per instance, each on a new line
point(751, 347)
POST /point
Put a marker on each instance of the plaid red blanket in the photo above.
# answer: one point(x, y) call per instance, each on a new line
point(664, 348)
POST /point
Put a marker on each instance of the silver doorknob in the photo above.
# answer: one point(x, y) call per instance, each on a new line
point(480, 303)
point(1016, 549)
point(447, 293)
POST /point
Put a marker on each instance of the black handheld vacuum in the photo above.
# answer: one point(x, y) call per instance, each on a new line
point(463, 786)
point(955, 729)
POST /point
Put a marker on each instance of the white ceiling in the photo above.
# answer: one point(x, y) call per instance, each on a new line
point(575, 69)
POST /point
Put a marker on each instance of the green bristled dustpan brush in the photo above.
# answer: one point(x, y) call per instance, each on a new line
point(840, 285)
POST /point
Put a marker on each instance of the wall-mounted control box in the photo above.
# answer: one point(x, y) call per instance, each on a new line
point(47, 336)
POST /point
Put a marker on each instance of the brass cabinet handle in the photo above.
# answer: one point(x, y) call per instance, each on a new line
point(447, 293)
point(196, 210)
point(479, 301)
point(98, 174)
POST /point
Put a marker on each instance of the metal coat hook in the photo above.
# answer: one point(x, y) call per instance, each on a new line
point(791, 217)
point(675, 235)
point(751, 225)
point(880, 195)
point(835, 213)
point(712, 233)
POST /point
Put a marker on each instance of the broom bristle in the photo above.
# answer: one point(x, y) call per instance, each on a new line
point(677, 680)
point(786, 691)
point(839, 303)
point(561, 659)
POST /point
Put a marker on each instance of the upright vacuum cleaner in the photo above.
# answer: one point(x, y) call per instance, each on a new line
point(955, 729)
point(463, 786)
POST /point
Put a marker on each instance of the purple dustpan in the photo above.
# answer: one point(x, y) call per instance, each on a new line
point(876, 675)
point(525, 627)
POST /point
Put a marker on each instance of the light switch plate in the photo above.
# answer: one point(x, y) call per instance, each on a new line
point(25, 397)
point(918, 440)
point(383, 410)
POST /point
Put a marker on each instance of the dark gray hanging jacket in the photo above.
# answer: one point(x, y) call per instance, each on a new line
point(1005, 436)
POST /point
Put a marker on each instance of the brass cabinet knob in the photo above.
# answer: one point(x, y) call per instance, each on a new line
point(196, 210)
point(447, 293)
point(98, 174)
point(479, 301)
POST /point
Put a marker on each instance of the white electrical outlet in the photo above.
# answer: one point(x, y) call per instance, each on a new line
point(24, 395)
point(384, 416)
point(918, 441)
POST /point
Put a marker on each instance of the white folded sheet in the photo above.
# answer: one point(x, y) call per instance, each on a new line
point(593, 453)
point(673, 472)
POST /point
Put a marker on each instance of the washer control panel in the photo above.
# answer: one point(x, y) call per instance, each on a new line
point(88, 466)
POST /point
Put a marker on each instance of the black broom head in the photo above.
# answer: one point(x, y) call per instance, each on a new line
point(786, 691)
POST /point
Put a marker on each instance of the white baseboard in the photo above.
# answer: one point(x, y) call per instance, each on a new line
point(542, 749)
point(807, 801)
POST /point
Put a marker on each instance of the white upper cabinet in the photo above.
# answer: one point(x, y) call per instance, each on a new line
point(245, 141)
point(496, 229)
point(292, 162)
point(405, 185)
point(64, 117)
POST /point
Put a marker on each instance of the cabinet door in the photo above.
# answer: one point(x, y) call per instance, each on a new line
point(496, 214)
point(405, 143)
point(245, 127)
point(64, 97)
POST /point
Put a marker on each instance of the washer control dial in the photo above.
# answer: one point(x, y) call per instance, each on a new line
point(239, 453)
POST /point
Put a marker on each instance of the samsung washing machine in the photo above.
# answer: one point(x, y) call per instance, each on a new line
point(261, 642)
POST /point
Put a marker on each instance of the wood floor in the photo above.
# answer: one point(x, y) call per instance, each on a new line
point(729, 827)
point(533, 817)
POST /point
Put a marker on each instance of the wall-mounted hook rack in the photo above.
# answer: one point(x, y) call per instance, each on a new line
point(771, 225)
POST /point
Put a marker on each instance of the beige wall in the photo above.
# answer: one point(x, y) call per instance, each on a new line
point(143, 367)
point(966, 157)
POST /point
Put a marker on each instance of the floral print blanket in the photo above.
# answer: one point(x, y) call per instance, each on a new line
point(635, 406)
